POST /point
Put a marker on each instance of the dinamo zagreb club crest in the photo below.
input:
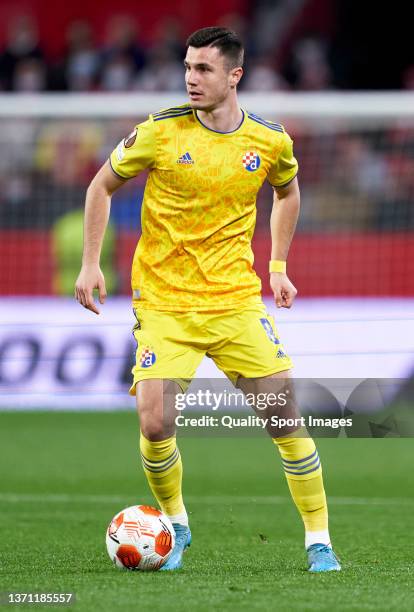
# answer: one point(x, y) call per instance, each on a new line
point(147, 357)
point(251, 161)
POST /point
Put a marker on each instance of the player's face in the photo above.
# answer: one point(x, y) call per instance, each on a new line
point(208, 78)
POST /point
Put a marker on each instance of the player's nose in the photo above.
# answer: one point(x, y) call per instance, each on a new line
point(190, 78)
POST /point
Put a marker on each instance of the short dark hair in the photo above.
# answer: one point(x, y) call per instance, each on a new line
point(227, 41)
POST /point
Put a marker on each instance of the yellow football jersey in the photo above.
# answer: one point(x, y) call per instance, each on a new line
point(199, 208)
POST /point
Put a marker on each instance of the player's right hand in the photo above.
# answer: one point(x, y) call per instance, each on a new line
point(90, 278)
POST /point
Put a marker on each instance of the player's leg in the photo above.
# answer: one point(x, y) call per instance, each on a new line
point(302, 467)
point(165, 363)
point(161, 457)
point(161, 359)
point(255, 358)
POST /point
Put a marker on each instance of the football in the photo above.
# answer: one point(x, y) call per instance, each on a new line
point(140, 538)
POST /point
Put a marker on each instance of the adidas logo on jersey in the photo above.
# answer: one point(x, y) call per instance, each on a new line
point(185, 159)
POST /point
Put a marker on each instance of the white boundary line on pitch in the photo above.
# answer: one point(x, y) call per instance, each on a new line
point(63, 498)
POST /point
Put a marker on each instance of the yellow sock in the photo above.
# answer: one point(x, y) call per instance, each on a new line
point(164, 470)
point(304, 476)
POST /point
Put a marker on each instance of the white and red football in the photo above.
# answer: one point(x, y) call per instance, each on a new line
point(140, 538)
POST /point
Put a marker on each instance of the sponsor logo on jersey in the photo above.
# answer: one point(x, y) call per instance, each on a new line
point(251, 161)
point(130, 139)
point(280, 354)
point(269, 330)
point(185, 159)
point(147, 357)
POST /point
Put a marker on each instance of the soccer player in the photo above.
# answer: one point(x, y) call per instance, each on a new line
point(195, 292)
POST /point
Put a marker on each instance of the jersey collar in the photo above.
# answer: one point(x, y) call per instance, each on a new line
point(216, 131)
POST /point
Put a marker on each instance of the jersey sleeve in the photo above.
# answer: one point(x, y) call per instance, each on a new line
point(285, 167)
point(136, 152)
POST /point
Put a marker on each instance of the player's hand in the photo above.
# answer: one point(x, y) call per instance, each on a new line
point(283, 290)
point(90, 278)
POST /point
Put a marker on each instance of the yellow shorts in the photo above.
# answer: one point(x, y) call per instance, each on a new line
point(171, 345)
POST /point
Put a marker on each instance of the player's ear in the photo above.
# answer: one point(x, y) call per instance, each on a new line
point(235, 76)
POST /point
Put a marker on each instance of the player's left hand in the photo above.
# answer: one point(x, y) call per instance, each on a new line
point(283, 290)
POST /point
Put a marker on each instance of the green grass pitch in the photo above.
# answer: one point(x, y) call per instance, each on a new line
point(63, 477)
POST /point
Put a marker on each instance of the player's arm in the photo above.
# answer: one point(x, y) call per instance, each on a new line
point(285, 212)
point(97, 207)
point(133, 154)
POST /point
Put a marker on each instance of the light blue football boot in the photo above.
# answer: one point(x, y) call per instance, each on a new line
point(321, 558)
point(182, 541)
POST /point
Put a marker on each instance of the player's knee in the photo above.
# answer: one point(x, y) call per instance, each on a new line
point(152, 422)
point(156, 415)
point(153, 430)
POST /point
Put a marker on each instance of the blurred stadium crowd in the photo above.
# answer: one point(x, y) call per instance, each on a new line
point(124, 63)
point(300, 45)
